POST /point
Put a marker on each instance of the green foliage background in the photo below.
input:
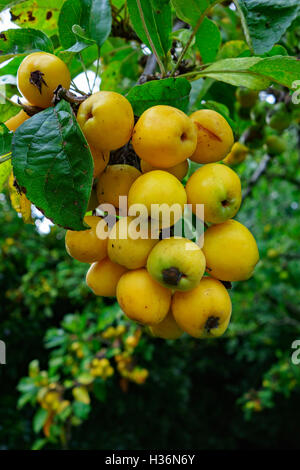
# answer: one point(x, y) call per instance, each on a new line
point(241, 391)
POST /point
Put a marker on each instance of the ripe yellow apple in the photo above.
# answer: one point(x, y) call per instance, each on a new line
point(14, 122)
point(218, 187)
point(84, 245)
point(177, 263)
point(39, 75)
point(167, 329)
point(237, 155)
point(214, 136)
point(115, 181)
point(164, 136)
point(231, 251)
point(205, 311)
point(179, 170)
point(103, 277)
point(101, 159)
point(106, 119)
point(142, 299)
point(160, 188)
point(125, 249)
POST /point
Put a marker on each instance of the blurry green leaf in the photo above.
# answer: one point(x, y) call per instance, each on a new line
point(39, 444)
point(255, 72)
point(22, 42)
point(5, 148)
point(8, 3)
point(38, 15)
point(52, 162)
point(81, 410)
point(99, 389)
point(191, 10)
point(24, 399)
point(265, 21)
point(232, 49)
point(39, 420)
point(158, 19)
point(170, 91)
point(208, 40)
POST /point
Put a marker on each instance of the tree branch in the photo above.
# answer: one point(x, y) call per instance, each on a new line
point(149, 70)
point(259, 172)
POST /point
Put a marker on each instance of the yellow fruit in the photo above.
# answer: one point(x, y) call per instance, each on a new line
point(272, 253)
point(39, 75)
point(14, 122)
point(214, 136)
point(120, 330)
point(142, 299)
point(110, 332)
point(123, 246)
point(164, 136)
point(84, 245)
point(205, 311)
point(103, 277)
point(159, 188)
point(179, 170)
point(176, 263)
point(101, 159)
point(106, 119)
point(218, 188)
point(115, 181)
point(81, 394)
point(237, 155)
point(132, 341)
point(231, 252)
point(167, 329)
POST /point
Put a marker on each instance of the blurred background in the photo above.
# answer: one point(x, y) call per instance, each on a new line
point(80, 376)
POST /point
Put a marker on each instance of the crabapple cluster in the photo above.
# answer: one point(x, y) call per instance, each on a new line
point(169, 284)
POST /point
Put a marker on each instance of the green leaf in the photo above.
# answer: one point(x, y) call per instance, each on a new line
point(158, 19)
point(53, 164)
point(70, 14)
point(208, 40)
point(15, 42)
point(5, 140)
point(81, 410)
point(82, 23)
point(265, 21)
point(232, 49)
point(170, 91)
point(100, 21)
point(38, 15)
point(255, 72)
point(99, 389)
point(11, 67)
point(24, 399)
point(191, 10)
point(8, 3)
point(39, 444)
point(39, 420)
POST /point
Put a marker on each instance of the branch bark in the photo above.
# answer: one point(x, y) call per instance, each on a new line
point(259, 172)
